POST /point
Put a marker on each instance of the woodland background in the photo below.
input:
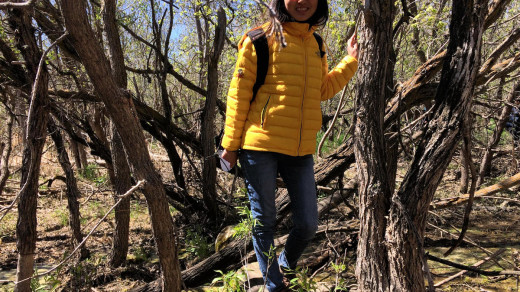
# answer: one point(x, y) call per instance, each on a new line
point(413, 156)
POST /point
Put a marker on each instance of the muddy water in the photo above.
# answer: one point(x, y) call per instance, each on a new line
point(10, 275)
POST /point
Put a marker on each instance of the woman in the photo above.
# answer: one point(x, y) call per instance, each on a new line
point(276, 132)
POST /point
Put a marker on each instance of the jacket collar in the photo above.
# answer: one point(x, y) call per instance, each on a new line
point(298, 29)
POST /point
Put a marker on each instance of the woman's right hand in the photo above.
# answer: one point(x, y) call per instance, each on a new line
point(352, 46)
point(231, 157)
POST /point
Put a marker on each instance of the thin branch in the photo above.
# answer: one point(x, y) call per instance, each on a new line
point(340, 105)
point(472, 269)
point(22, 5)
point(476, 265)
point(276, 27)
point(37, 79)
point(121, 198)
point(469, 206)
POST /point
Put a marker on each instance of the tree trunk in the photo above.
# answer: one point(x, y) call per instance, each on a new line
point(72, 188)
point(372, 267)
point(120, 176)
point(74, 148)
point(83, 156)
point(465, 167)
point(209, 171)
point(485, 165)
point(122, 183)
point(409, 208)
point(5, 153)
point(120, 107)
point(20, 23)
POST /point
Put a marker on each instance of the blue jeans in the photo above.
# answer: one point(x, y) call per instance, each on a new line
point(261, 169)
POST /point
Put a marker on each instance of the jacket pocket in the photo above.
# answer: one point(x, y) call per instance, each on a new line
point(263, 115)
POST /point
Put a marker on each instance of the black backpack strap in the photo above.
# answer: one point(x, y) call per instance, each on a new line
point(259, 40)
point(320, 43)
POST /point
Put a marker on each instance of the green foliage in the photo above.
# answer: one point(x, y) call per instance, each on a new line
point(62, 214)
point(231, 281)
point(244, 228)
point(196, 244)
point(140, 255)
point(8, 225)
point(340, 283)
point(91, 173)
point(47, 283)
point(301, 282)
point(332, 142)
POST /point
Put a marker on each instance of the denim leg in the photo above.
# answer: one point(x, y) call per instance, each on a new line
point(298, 175)
point(260, 169)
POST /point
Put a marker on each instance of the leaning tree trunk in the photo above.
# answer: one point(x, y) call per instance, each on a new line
point(72, 187)
point(121, 109)
point(409, 208)
point(121, 177)
point(375, 45)
point(21, 25)
point(209, 170)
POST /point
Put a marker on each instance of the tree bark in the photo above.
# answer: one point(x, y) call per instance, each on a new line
point(209, 171)
point(122, 182)
point(121, 176)
point(465, 166)
point(372, 267)
point(409, 208)
point(74, 148)
point(121, 109)
point(72, 187)
point(5, 153)
point(20, 22)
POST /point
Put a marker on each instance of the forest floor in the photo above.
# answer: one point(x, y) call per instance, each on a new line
point(494, 225)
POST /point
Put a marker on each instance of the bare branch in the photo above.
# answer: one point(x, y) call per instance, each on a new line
point(38, 74)
point(276, 25)
point(22, 5)
point(472, 269)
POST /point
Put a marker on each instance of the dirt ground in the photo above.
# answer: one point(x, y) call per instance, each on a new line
point(495, 225)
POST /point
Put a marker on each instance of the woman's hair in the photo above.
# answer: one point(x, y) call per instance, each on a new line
point(319, 18)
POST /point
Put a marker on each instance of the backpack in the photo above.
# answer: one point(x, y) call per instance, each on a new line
point(259, 40)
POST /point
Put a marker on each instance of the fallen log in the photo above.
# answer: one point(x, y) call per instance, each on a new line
point(487, 191)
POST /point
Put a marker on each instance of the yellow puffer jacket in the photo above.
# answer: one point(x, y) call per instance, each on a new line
point(286, 114)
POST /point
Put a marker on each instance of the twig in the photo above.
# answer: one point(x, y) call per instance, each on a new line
point(469, 206)
point(128, 193)
point(502, 198)
point(476, 265)
point(340, 105)
point(277, 28)
point(412, 123)
point(37, 79)
point(471, 242)
point(472, 269)
point(29, 117)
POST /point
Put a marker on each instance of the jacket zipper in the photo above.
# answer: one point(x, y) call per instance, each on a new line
point(263, 115)
point(303, 96)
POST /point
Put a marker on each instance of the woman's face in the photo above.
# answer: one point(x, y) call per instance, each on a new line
point(301, 10)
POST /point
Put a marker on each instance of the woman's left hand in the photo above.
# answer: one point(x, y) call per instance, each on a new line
point(352, 47)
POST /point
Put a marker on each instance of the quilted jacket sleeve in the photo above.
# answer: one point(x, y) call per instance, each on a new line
point(239, 95)
point(338, 77)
